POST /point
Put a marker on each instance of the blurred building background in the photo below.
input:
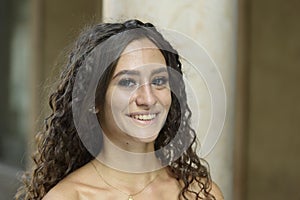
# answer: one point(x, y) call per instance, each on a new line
point(255, 42)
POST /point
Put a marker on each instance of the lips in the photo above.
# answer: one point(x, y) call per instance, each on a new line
point(143, 117)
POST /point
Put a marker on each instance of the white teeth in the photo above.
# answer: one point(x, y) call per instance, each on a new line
point(144, 117)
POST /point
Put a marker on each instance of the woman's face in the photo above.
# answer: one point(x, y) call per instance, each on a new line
point(138, 97)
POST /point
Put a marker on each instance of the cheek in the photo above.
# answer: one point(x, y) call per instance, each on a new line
point(165, 98)
point(117, 101)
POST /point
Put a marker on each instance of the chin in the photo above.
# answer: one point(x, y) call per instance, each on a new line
point(150, 139)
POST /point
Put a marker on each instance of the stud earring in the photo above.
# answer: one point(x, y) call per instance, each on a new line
point(94, 110)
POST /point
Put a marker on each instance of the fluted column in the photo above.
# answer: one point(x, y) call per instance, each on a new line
point(213, 25)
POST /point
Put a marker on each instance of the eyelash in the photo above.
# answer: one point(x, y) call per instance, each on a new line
point(159, 82)
point(127, 82)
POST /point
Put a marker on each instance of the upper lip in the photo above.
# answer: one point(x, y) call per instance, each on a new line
point(142, 113)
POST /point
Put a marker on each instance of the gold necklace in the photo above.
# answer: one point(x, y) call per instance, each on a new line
point(130, 196)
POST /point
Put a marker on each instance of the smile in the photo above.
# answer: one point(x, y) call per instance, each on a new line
point(144, 117)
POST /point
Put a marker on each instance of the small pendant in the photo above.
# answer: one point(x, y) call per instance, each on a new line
point(130, 197)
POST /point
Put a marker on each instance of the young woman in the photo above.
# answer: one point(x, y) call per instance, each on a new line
point(120, 123)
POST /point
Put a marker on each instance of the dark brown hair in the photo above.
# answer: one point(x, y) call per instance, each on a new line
point(60, 150)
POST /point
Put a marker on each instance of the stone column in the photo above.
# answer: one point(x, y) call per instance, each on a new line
point(213, 25)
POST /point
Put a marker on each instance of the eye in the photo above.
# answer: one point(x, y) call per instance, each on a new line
point(127, 82)
point(160, 81)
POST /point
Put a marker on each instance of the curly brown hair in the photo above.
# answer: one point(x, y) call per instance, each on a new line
point(60, 149)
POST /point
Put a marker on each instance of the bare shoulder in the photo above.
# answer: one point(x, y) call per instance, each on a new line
point(216, 191)
point(70, 187)
point(64, 190)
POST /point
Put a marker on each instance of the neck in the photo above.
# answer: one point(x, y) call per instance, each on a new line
point(120, 178)
point(132, 158)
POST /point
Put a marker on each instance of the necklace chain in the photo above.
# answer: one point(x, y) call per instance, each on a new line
point(130, 196)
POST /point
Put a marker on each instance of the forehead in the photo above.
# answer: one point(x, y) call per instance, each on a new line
point(140, 53)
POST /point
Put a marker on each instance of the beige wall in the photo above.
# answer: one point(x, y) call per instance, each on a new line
point(273, 166)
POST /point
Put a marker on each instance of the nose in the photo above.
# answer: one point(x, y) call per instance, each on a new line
point(144, 96)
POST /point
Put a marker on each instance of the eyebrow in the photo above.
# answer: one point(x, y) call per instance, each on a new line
point(160, 70)
point(128, 72)
point(136, 72)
